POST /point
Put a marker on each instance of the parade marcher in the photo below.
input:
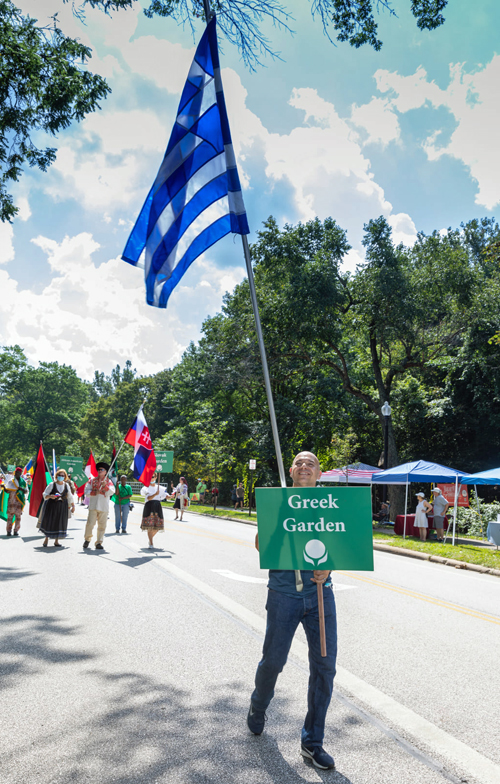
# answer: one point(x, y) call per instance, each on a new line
point(440, 506)
point(240, 495)
point(98, 491)
point(152, 515)
point(56, 508)
point(421, 521)
point(201, 489)
point(286, 608)
point(181, 496)
point(121, 499)
point(16, 488)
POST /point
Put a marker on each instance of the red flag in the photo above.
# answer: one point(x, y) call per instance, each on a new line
point(39, 483)
point(90, 469)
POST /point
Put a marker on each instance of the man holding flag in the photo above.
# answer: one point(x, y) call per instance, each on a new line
point(99, 491)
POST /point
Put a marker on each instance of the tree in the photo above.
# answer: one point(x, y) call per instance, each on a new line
point(46, 405)
point(44, 86)
point(240, 22)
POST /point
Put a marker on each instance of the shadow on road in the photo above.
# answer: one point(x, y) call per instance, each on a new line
point(28, 640)
point(12, 573)
point(152, 732)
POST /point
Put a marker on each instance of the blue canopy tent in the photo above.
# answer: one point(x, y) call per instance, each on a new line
point(420, 471)
point(490, 477)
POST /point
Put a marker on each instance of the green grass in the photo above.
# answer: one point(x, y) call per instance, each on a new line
point(482, 556)
point(206, 510)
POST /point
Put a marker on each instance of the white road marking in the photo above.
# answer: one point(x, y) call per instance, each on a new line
point(472, 762)
point(242, 578)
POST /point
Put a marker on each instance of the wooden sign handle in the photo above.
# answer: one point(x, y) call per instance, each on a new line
point(321, 611)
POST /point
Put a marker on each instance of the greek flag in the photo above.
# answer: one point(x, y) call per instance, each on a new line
point(196, 198)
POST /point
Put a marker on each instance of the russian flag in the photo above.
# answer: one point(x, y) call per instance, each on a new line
point(144, 457)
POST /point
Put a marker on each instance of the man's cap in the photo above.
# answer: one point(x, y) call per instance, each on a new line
point(19, 468)
point(102, 465)
point(436, 490)
point(123, 476)
point(420, 495)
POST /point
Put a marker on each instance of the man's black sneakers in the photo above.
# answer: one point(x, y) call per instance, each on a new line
point(318, 756)
point(256, 720)
point(85, 544)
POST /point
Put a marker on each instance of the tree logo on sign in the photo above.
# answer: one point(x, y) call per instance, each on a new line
point(315, 552)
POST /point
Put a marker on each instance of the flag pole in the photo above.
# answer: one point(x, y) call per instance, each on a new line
point(265, 370)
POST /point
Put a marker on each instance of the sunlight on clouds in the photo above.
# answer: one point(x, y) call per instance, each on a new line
point(378, 120)
point(473, 101)
point(403, 229)
point(93, 317)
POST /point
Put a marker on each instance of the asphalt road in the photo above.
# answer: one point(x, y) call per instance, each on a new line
point(128, 665)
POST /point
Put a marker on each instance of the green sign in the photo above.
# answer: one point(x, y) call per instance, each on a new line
point(164, 461)
point(67, 462)
point(315, 528)
point(79, 478)
point(11, 467)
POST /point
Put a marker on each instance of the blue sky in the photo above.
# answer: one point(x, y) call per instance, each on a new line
point(409, 132)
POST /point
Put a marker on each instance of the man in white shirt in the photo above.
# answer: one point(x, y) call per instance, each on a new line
point(99, 491)
point(440, 506)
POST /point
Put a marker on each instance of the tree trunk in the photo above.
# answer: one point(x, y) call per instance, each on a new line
point(396, 493)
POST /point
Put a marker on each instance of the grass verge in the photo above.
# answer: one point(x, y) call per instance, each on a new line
point(469, 553)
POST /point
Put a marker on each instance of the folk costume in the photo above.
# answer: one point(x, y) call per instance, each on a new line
point(56, 511)
point(152, 516)
point(15, 488)
point(99, 491)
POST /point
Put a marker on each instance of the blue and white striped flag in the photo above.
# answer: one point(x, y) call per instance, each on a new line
point(196, 198)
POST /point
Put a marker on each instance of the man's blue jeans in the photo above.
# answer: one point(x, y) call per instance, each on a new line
point(284, 614)
point(125, 511)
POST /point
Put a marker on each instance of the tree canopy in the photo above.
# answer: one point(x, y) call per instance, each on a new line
point(411, 325)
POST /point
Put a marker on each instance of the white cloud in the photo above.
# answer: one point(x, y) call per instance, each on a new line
point(93, 317)
point(403, 229)
point(24, 208)
point(6, 243)
point(378, 120)
point(472, 99)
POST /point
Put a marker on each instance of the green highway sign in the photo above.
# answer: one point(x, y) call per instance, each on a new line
point(164, 461)
point(315, 528)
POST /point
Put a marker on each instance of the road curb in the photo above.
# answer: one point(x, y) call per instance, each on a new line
point(385, 548)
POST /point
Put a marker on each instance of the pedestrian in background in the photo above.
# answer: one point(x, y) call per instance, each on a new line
point(421, 521)
point(240, 496)
point(16, 488)
point(440, 506)
point(56, 509)
point(152, 515)
point(234, 496)
point(98, 491)
point(201, 489)
point(121, 500)
point(181, 497)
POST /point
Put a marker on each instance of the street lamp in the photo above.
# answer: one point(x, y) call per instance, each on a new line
point(386, 411)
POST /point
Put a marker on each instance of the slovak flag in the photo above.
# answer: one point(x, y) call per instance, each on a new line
point(144, 457)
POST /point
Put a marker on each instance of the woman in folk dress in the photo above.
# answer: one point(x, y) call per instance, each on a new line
point(421, 521)
point(56, 508)
point(152, 515)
